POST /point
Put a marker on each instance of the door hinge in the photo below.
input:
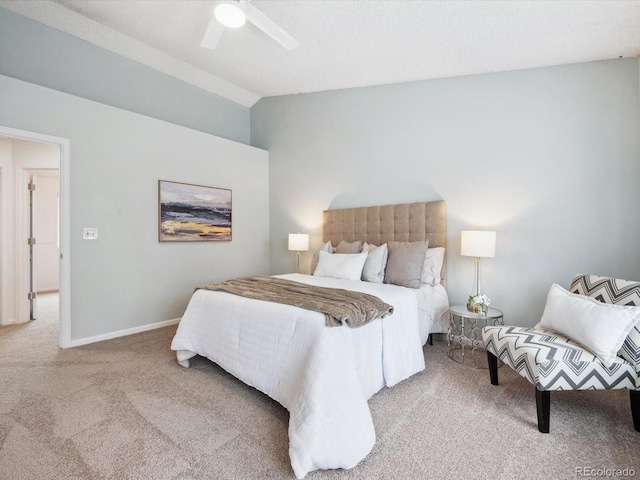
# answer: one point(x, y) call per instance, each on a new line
point(31, 187)
point(31, 241)
point(32, 295)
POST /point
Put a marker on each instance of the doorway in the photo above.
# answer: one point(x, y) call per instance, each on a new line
point(30, 158)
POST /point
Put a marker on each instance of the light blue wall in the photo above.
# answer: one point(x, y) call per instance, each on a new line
point(38, 54)
point(549, 158)
point(126, 279)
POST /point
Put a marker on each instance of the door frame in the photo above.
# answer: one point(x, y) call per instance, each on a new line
point(65, 225)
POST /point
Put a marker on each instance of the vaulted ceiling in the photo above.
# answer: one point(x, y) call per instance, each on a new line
point(347, 43)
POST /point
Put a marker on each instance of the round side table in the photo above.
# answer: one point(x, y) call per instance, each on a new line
point(465, 335)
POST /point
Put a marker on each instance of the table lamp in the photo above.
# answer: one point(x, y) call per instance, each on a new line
point(478, 244)
point(299, 242)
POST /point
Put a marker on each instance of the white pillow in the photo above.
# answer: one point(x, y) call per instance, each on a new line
point(373, 270)
point(601, 327)
point(340, 265)
point(432, 266)
point(325, 247)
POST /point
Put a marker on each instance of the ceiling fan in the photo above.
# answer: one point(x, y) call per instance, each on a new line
point(233, 14)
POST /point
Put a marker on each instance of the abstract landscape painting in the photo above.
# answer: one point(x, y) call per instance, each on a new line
point(193, 213)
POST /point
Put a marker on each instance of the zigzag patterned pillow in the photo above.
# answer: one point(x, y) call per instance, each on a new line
point(618, 292)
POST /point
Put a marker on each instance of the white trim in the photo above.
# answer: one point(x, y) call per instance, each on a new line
point(123, 333)
point(65, 243)
point(7, 315)
point(65, 221)
point(21, 248)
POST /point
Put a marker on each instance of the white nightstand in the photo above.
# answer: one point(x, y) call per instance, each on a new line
point(465, 335)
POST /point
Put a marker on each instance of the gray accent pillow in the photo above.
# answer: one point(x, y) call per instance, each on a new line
point(346, 247)
point(404, 265)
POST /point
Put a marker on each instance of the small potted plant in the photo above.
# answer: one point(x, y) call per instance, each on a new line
point(478, 304)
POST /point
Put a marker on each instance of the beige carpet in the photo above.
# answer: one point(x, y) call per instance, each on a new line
point(124, 409)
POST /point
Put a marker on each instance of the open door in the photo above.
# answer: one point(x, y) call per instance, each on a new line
point(44, 245)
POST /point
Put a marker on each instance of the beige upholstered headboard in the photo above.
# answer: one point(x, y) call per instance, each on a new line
point(406, 222)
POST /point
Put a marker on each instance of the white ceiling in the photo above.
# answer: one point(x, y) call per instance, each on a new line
point(347, 43)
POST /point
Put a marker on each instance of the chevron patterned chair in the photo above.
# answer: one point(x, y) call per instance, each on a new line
point(551, 361)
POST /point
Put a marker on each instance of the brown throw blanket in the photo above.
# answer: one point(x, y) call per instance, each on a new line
point(339, 306)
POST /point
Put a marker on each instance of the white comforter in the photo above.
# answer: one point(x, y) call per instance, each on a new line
point(322, 375)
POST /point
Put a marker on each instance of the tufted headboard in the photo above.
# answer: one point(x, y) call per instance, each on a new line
point(406, 222)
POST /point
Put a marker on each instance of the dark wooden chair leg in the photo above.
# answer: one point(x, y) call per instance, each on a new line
point(635, 408)
point(431, 339)
point(493, 367)
point(543, 402)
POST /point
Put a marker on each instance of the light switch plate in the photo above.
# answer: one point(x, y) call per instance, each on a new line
point(90, 233)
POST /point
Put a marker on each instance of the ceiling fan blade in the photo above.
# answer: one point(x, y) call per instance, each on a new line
point(269, 27)
point(212, 35)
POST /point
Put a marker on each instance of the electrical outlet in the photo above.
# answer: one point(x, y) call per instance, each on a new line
point(90, 233)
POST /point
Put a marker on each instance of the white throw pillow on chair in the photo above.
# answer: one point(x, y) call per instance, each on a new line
point(600, 327)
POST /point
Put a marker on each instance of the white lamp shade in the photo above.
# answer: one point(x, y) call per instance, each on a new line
point(299, 242)
point(478, 243)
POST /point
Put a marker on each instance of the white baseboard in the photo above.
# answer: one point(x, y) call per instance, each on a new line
point(123, 333)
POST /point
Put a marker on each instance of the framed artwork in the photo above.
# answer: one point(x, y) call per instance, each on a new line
point(193, 213)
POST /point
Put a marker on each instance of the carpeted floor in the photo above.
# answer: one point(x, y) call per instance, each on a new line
point(124, 409)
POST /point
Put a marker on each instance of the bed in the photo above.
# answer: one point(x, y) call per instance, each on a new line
point(324, 375)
